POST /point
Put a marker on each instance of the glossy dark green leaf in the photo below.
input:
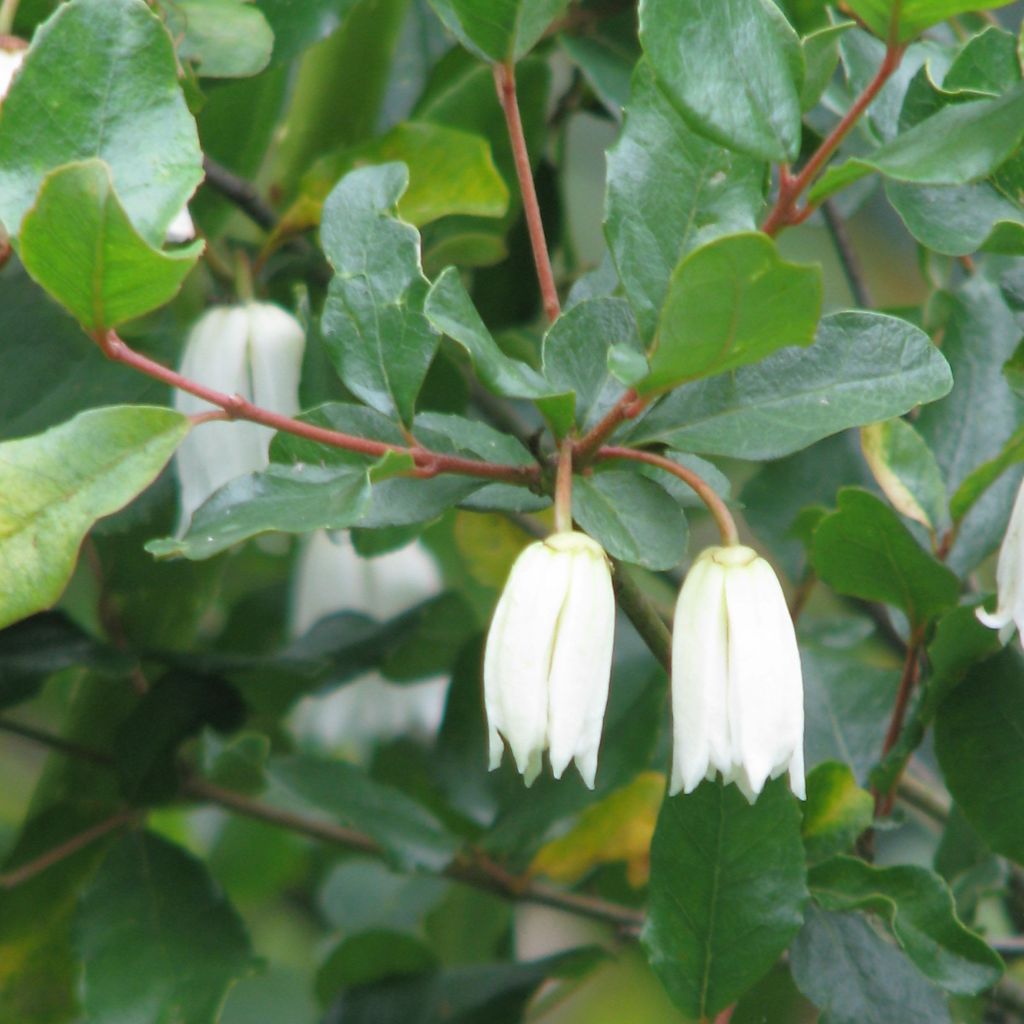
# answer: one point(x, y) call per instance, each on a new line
point(502, 31)
point(727, 892)
point(976, 483)
point(670, 190)
point(906, 470)
point(986, 62)
point(959, 144)
point(979, 335)
point(632, 517)
point(977, 738)
point(373, 322)
point(79, 244)
point(837, 810)
point(578, 350)
point(821, 58)
point(290, 499)
point(54, 486)
point(101, 81)
point(856, 977)
point(918, 909)
point(457, 435)
point(862, 367)
point(914, 15)
point(409, 834)
point(157, 938)
point(221, 38)
point(748, 52)
point(730, 303)
point(865, 551)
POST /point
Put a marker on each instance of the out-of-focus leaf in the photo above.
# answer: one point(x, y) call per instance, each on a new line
point(670, 190)
point(79, 244)
point(101, 81)
point(837, 810)
point(748, 52)
point(157, 939)
point(727, 892)
point(54, 486)
point(865, 551)
point(730, 303)
point(914, 15)
point(861, 368)
point(222, 38)
point(300, 23)
point(502, 31)
point(976, 483)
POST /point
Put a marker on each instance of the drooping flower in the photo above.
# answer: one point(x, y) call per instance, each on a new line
point(1009, 611)
point(737, 687)
point(253, 350)
point(332, 577)
point(548, 658)
point(12, 56)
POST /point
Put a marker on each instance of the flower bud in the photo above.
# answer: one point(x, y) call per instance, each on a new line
point(1009, 577)
point(548, 658)
point(254, 351)
point(737, 688)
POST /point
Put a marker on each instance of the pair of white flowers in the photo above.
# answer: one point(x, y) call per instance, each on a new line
point(737, 689)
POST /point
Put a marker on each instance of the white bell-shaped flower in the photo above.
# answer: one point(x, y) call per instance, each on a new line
point(737, 688)
point(1009, 577)
point(10, 60)
point(254, 350)
point(548, 658)
point(332, 577)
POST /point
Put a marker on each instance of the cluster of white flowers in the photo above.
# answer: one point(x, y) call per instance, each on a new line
point(737, 688)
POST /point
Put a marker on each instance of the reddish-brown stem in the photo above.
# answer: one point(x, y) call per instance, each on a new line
point(563, 488)
point(505, 83)
point(704, 491)
point(726, 1015)
point(428, 463)
point(626, 408)
point(38, 865)
point(908, 680)
point(791, 187)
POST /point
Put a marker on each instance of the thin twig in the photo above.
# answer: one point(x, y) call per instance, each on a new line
point(240, 192)
point(704, 491)
point(642, 613)
point(908, 680)
point(505, 83)
point(57, 743)
point(29, 870)
point(627, 407)
point(563, 488)
point(427, 463)
point(8, 12)
point(852, 269)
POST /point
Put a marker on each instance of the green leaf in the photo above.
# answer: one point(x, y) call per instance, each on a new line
point(747, 52)
point(373, 322)
point(730, 303)
point(918, 909)
point(837, 810)
point(907, 472)
point(632, 517)
point(607, 63)
point(408, 833)
point(457, 435)
point(79, 244)
point(986, 63)
point(579, 348)
point(957, 145)
point(956, 220)
point(222, 38)
point(670, 190)
point(727, 892)
point(101, 81)
point(914, 15)
point(821, 58)
point(862, 367)
point(54, 486)
point(502, 31)
point(865, 551)
point(157, 939)
point(856, 977)
point(290, 499)
point(977, 739)
point(981, 479)
point(297, 24)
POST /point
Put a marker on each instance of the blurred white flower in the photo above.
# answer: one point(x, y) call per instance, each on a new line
point(181, 229)
point(737, 687)
point(331, 577)
point(253, 350)
point(10, 61)
point(548, 658)
point(1009, 611)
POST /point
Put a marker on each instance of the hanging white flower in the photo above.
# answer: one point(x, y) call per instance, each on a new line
point(737, 688)
point(254, 350)
point(331, 577)
point(10, 61)
point(1009, 611)
point(181, 229)
point(548, 658)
